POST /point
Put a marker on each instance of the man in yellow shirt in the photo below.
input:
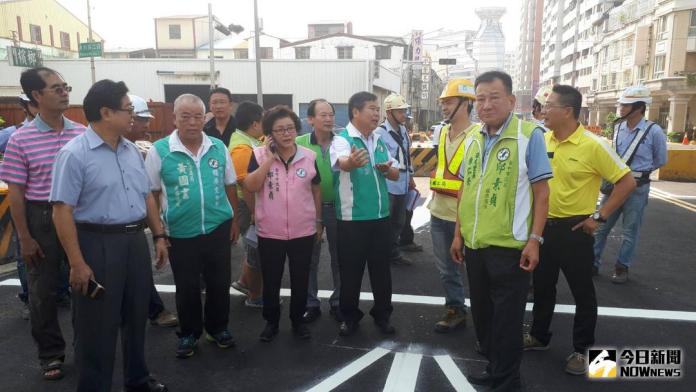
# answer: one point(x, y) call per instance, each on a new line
point(580, 160)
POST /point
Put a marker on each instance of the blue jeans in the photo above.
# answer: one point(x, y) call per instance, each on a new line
point(632, 212)
point(442, 232)
point(328, 216)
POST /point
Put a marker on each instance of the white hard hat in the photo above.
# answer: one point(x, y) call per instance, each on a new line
point(542, 94)
point(140, 108)
point(635, 94)
point(395, 101)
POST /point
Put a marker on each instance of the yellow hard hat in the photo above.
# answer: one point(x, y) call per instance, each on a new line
point(395, 101)
point(543, 94)
point(459, 88)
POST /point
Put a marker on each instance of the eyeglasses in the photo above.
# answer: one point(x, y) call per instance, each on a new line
point(130, 110)
point(288, 130)
point(59, 89)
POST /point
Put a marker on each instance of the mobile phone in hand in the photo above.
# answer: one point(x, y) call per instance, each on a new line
point(95, 290)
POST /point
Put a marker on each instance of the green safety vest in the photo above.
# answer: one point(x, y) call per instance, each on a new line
point(323, 163)
point(361, 194)
point(495, 208)
point(196, 199)
point(242, 138)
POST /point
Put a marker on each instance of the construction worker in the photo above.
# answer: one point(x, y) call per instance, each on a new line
point(137, 134)
point(394, 134)
point(579, 160)
point(457, 100)
point(643, 146)
point(500, 220)
point(538, 104)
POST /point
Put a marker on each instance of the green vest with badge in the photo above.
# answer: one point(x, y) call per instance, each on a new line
point(495, 208)
point(361, 194)
point(196, 199)
point(324, 165)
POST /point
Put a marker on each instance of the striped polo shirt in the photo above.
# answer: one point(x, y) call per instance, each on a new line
point(30, 154)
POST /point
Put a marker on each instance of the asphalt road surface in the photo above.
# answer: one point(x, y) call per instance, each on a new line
point(656, 308)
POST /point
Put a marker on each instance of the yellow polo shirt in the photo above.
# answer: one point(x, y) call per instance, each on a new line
point(579, 163)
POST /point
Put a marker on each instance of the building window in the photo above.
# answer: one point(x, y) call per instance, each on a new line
point(382, 52)
point(659, 69)
point(642, 73)
point(692, 24)
point(627, 78)
point(265, 52)
point(603, 85)
point(302, 52)
point(64, 40)
point(241, 53)
point(662, 28)
point(174, 31)
point(35, 34)
point(345, 52)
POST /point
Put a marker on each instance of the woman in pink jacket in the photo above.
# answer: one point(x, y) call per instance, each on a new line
point(285, 180)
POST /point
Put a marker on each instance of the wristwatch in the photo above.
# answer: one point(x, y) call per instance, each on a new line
point(538, 238)
point(598, 217)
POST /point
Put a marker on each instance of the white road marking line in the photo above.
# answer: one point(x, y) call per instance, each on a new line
point(672, 199)
point(350, 370)
point(403, 373)
point(651, 314)
point(454, 375)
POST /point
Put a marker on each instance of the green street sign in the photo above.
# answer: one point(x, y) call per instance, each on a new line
point(90, 49)
point(24, 57)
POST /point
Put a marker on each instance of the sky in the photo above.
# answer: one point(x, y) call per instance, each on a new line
point(130, 24)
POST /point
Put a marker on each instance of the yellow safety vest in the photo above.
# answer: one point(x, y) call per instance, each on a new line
point(445, 179)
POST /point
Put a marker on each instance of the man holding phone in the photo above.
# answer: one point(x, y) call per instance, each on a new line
point(361, 163)
point(101, 198)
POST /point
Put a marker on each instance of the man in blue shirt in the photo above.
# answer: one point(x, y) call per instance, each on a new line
point(395, 136)
point(101, 197)
point(650, 155)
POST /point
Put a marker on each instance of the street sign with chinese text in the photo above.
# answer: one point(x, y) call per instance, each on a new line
point(417, 44)
point(90, 49)
point(24, 57)
point(447, 61)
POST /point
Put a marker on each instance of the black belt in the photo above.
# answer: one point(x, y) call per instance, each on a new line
point(569, 221)
point(38, 203)
point(128, 228)
point(327, 203)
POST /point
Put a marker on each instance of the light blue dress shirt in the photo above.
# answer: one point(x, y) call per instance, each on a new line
point(651, 153)
point(104, 186)
point(400, 186)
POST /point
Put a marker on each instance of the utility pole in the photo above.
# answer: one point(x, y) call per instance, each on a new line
point(89, 26)
point(257, 49)
point(211, 34)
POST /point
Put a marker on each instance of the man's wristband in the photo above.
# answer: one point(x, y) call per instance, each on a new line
point(158, 236)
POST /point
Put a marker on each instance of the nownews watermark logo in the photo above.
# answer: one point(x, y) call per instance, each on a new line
point(635, 363)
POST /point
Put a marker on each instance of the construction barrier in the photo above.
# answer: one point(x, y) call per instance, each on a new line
point(6, 227)
point(680, 166)
point(424, 161)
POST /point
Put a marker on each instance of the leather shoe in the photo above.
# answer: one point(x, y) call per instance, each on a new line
point(150, 386)
point(347, 328)
point(335, 312)
point(301, 331)
point(483, 378)
point(385, 328)
point(311, 315)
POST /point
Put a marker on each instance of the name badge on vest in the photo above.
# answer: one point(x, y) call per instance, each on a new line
point(503, 154)
point(302, 173)
point(212, 162)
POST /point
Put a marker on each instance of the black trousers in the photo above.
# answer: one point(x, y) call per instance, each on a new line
point(407, 234)
point(44, 279)
point(363, 243)
point(572, 252)
point(208, 255)
point(498, 288)
point(272, 253)
point(397, 217)
point(121, 263)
